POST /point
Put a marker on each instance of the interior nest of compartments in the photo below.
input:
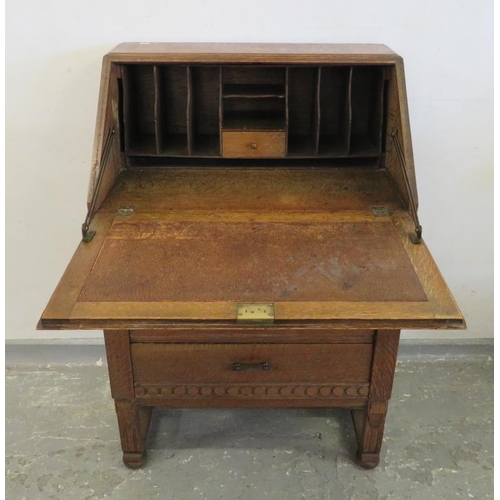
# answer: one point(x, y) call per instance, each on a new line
point(331, 111)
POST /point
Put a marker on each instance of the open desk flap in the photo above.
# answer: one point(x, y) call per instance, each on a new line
point(178, 259)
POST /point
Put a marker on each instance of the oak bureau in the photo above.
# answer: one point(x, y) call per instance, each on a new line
point(252, 237)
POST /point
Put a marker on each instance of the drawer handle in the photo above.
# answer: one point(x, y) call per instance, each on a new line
point(240, 367)
point(253, 145)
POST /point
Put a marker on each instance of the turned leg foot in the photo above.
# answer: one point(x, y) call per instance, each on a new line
point(369, 428)
point(133, 422)
point(367, 460)
point(134, 460)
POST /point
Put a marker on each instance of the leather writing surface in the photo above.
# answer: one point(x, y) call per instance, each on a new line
point(158, 261)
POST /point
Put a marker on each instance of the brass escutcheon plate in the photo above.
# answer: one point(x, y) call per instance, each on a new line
point(255, 312)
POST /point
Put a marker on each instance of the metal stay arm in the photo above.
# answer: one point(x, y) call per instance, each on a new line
point(417, 237)
point(87, 234)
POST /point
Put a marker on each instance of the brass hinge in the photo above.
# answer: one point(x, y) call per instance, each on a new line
point(125, 211)
point(255, 313)
point(380, 212)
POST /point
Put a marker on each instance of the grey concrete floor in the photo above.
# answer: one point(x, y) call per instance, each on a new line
point(62, 442)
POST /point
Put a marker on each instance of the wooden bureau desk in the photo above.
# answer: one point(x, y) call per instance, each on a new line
point(252, 237)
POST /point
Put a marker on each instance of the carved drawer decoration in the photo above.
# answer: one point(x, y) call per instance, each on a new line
point(258, 391)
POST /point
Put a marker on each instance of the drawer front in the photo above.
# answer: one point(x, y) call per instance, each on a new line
point(253, 144)
point(304, 370)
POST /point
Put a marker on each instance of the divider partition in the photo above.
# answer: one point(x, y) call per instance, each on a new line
point(171, 110)
point(367, 94)
point(325, 111)
point(302, 107)
point(203, 116)
point(335, 111)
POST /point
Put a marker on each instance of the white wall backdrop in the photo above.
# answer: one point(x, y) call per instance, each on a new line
point(54, 51)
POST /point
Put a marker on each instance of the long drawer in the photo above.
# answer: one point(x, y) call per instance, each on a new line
point(295, 370)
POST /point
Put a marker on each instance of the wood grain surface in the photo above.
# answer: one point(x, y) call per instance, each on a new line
point(234, 189)
point(119, 359)
point(249, 334)
point(289, 363)
point(437, 310)
point(252, 52)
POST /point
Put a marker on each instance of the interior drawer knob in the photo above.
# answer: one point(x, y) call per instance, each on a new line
point(253, 145)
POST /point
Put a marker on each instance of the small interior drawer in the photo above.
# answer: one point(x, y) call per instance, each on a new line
point(253, 144)
point(302, 370)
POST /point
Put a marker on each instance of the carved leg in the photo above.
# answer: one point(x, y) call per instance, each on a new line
point(133, 422)
point(369, 427)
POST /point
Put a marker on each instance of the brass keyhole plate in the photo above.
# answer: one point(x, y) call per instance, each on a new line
point(255, 312)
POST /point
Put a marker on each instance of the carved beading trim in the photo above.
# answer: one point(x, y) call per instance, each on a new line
point(254, 391)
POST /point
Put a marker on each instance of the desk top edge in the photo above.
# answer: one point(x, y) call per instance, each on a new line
point(250, 52)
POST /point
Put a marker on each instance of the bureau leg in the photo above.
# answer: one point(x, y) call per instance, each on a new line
point(369, 422)
point(133, 419)
point(369, 428)
point(133, 423)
